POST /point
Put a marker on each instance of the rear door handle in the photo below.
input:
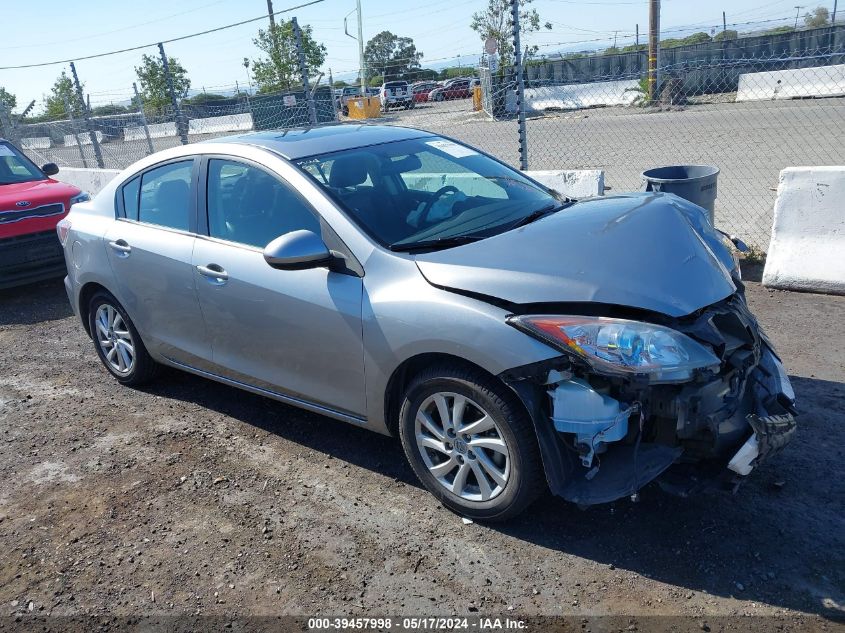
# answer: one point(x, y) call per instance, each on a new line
point(214, 273)
point(121, 247)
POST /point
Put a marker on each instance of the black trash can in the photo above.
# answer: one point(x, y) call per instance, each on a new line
point(696, 183)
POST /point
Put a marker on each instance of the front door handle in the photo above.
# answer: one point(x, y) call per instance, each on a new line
point(121, 247)
point(214, 273)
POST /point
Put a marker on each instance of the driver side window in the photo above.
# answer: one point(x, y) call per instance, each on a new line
point(251, 206)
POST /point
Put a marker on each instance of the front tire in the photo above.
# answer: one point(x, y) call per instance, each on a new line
point(117, 342)
point(471, 443)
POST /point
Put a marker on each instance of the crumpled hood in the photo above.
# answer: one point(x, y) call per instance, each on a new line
point(651, 251)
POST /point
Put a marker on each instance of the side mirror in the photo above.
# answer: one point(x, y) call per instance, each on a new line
point(297, 250)
point(50, 169)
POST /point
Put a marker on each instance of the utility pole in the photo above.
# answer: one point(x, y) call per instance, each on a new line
point(833, 17)
point(653, 49)
point(797, 13)
point(724, 23)
point(87, 116)
point(303, 72)
point(637, 36)
point(360, 38)
point(180, 121)
point(143, 117)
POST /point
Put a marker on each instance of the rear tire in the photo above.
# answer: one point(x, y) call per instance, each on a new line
point(118, 343)
point(486, 435)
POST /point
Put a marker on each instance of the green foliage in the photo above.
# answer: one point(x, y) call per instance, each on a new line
point(391, 56)
point(280, 68)
point(695, 38)
point(8, 99)
point(62, 90)
point(819, 17)
point(204, 97)
point(634, 47)
point(110, 109)
point(153, 81)
point(494, 22)
point(730, 34)
point(611, 50)
point(421, 74)
point(456, 71)
point(779, 30)
point(340, 84)
point(375, 81)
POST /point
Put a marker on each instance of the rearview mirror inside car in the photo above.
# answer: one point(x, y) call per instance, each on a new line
point(297, 250)
point(50, 169)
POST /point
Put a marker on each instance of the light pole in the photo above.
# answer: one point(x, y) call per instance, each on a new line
point(360, 39)
point(797, 13)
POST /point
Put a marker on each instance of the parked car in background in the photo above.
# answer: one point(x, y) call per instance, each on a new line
point(344, 95)
point(396, 94)
point(513, 339)
point(421, 89)
point(453, 89)
point(31, 203)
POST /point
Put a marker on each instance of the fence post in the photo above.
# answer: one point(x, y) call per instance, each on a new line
point(143, 117)
point(303, 71)
point(520, 87)
point(6, 126)
point(69, 111)
point(181, 124)
point(331, 92)
point(98, 155)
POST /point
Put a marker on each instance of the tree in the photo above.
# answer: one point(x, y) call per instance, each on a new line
point(391, 56)
point(110, 109)
point(201, 98)
point(729, 34)
point(375, 81)
point(8, 99)
point(819, 17)
point(494, 22)
point(340, 84)
point(154, 89)
point(61, 92)
point(280, 68)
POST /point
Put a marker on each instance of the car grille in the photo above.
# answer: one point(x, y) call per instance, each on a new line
point(30, 249)
point(44, 211)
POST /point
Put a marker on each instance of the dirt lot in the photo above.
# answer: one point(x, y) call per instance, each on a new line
point(193, 498)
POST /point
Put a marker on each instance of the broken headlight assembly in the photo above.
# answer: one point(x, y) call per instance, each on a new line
point(621, 347)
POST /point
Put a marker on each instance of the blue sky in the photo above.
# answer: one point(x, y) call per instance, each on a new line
point(51, 30)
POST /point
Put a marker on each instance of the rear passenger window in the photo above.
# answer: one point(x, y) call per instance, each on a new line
point(166, 195)
point(130, 197)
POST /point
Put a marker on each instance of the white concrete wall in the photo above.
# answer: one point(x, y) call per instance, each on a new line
point(807, 249)
point(576, 96)
point(90, 180)
point(157, 130)
point(36, 142)
point(819, 81)
point(84, 138)
point(215, 124)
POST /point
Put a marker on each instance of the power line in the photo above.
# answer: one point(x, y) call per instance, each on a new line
point(173, 39)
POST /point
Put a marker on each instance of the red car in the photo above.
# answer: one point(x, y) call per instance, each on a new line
point(31, 203)
point(452, 89)
point(421, 89)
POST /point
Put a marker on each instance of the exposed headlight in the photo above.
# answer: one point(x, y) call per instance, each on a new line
point(619, 346)
point(83, 196)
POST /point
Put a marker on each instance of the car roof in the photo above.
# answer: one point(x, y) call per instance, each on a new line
point(299, 143)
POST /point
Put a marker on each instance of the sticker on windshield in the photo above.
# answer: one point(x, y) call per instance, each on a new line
point(453, 149)
point(6, 151)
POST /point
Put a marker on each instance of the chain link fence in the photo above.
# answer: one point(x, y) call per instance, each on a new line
point(750, 116)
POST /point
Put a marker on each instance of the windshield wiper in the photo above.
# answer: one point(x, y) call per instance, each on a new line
point(539, 213)
point(440, 242)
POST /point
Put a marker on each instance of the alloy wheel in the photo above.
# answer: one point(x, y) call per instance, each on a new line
point(115, 339)
point(462, 446)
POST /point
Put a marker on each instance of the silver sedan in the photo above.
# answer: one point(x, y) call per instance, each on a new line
point(513, 339)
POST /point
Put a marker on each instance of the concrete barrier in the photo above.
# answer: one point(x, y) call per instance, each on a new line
point(807, 248)
point(577, 96)
point(90, 180)
point(819, 81)
point(84, 138)
point(216, 124)
point(36, 142)
point(157, 130)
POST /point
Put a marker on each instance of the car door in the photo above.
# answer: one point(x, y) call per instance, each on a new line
point(149, 249)
point(294, 332)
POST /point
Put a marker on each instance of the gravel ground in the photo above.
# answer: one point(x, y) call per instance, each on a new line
point(189, 497)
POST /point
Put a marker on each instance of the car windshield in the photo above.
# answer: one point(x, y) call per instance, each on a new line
point(428, 191)
point(15, 167)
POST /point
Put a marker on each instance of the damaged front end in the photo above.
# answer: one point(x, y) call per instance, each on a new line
point(691, 402)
